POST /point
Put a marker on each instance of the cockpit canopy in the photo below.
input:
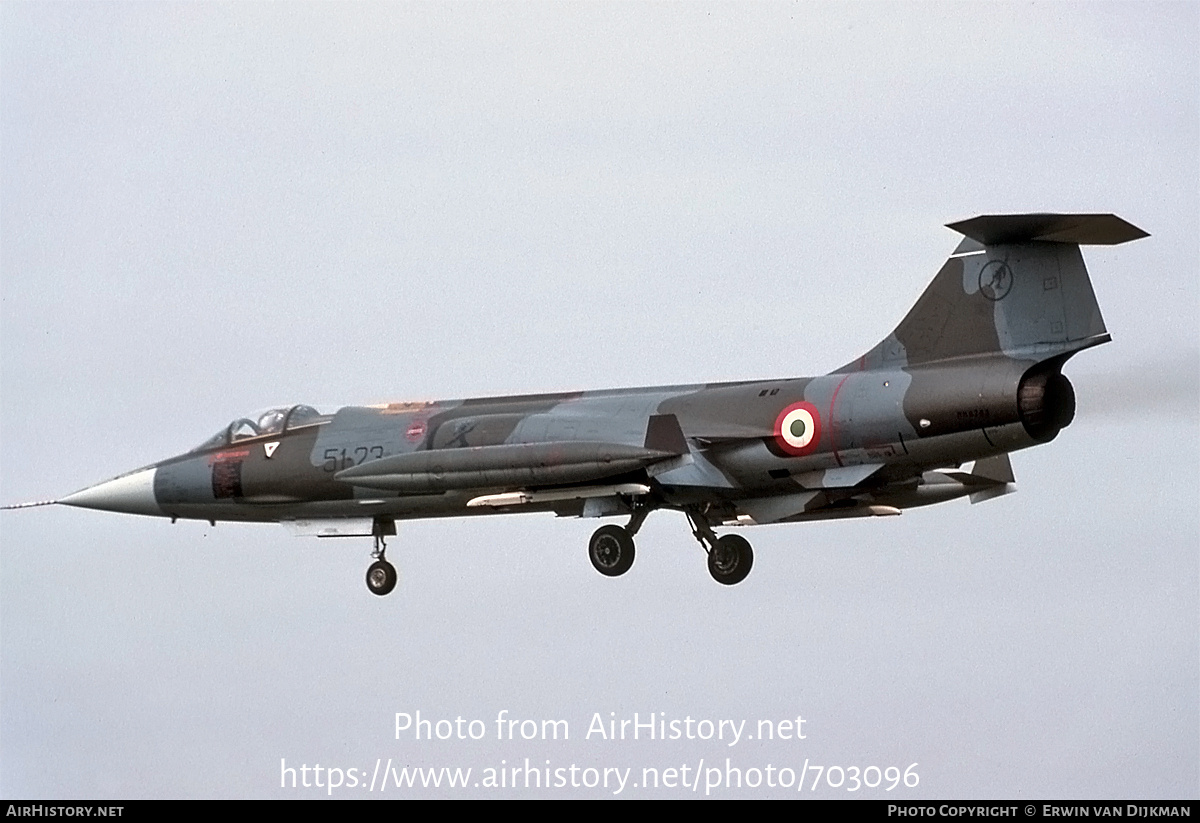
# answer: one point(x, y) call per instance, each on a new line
point(266, 422)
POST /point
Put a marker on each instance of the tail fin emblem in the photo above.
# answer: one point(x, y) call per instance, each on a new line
point(995, 280)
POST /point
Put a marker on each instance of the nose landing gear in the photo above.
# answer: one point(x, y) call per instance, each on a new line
point(381, 575)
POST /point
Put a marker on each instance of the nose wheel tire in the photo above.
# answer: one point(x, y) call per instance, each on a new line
point(381, 577)
point(611, 550)
point(730, 561)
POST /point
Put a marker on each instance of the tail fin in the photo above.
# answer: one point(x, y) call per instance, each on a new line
point(1015, 285)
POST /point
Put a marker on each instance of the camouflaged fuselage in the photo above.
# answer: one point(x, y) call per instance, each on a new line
point(972, 373)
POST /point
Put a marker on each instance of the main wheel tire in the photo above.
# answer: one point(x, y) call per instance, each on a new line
point(381, 577)
point(611, 550)
point(730, 561)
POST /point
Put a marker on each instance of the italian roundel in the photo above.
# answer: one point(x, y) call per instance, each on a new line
point(798, 428)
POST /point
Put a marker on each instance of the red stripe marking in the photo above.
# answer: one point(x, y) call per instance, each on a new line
point(833, 423)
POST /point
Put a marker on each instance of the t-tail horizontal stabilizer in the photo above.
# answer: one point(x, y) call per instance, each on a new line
point(1075, 229)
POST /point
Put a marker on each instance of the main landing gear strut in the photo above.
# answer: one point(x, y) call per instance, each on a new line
point(729, 557)
point(381, 575)
point(611, 548)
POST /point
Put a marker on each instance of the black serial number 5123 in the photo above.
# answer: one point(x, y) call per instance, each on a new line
point(338, 459)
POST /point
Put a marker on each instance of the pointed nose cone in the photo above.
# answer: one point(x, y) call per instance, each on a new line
point(131, 493)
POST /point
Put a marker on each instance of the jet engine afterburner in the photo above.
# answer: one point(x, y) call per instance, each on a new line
point(1046, 401)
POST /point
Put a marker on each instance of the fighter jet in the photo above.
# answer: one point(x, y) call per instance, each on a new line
point(972, 373)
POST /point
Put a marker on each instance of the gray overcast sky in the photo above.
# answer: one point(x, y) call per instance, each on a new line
point(207, 209)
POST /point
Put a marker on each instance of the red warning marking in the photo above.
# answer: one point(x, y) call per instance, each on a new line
point(221, 457)
point(416, 430)
point(802, 434)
